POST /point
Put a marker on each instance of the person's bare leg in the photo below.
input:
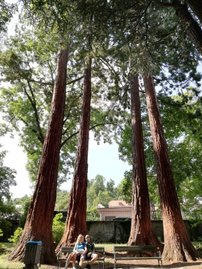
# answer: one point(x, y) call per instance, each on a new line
point(66, 264)
point(74, 260)
point(94, 258)
point(81, 261)
point(69, 258)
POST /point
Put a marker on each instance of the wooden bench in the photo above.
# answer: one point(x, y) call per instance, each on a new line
point(137, 252)
point(64, 250)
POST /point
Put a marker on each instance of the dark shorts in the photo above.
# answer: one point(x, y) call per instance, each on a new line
point(78, 256)
point(88, 256)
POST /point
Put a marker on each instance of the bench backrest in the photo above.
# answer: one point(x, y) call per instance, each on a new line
point(66, 249)
point(135, 248)
point(70, 249)
point(100, 249)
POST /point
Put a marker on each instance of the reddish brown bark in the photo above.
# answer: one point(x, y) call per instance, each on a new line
point(141, 229)
point(38, 224)
point(191, 25)
point(177, 244)
point(76, 218)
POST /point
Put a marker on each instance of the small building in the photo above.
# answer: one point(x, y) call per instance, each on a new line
point(115, 209)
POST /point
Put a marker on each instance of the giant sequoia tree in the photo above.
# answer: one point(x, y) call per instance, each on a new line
point(38, 224)
point(76, 217)
point(146, 25)
point(162, 37)
point(141, 229)
point(188, 21)
point(177, 244)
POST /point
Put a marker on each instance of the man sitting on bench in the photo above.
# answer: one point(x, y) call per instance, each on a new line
point(90, 254)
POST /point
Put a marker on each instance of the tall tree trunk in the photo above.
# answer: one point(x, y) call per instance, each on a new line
point(76, 217)
point(195, 5)
point(191, 25)
point(141, 229)
point(38, 224)
point(177, 244)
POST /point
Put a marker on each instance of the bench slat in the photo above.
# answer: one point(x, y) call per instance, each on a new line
point(135, 250)
point(139, 258)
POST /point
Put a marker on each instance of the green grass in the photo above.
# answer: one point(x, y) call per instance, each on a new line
point(6, 248)
point(6, 264)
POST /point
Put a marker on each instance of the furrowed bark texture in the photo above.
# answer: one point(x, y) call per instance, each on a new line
point(76, 218)
point(177, 245)
point(189, 23)
point(38, 224)
point(141, 229)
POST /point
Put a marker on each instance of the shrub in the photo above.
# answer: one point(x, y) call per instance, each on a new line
point(1, 234)
point(58, 227)
point(7, 229)
point(16, 236)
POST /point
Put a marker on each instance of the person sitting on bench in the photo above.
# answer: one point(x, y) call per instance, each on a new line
point(89, 254)
point(78, 252)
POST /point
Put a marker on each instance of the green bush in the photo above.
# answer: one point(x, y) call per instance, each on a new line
point(58, 227)
point(1, 234)
point(16, 236)
point(7, 229)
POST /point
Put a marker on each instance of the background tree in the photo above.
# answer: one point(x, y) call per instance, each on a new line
point(7, 177)
point(100, 191)
point(98, 184)
point(22, 205)
point(124, 188)
point(28, 94)
point(6, 11)
point(63, 198)
point(7, 206)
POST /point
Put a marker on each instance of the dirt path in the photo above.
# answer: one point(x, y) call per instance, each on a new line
point(144, 264)
point(152, 264)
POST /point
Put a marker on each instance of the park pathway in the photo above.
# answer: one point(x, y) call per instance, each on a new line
point(145, 264)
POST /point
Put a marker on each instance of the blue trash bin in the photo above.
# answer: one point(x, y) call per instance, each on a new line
point(32, 254)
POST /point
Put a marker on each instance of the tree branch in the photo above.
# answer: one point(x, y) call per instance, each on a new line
point(91, 128)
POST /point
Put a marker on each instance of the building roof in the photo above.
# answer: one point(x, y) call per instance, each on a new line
point(118, 203)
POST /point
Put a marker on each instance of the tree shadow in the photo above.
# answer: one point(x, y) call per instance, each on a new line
point(183, 265)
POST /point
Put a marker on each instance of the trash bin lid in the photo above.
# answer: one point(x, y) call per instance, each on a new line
point(34, 242)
